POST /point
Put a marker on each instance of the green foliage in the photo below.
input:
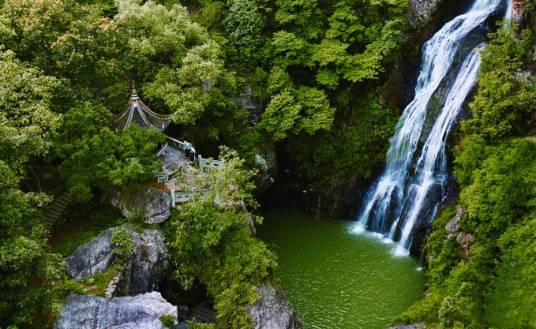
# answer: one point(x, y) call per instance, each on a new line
point(98, 283)
point(28, 270)
point(122, 241)
point(245, 25)
point(356, 146)
point(295, 111)
point(211, 238)
point(27, 122)
point(504, 102)
point(110, 160)
point(514, 290)
point(502, 189)
point(168, 321)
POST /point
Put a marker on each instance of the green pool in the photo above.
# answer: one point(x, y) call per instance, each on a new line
point(336, 279)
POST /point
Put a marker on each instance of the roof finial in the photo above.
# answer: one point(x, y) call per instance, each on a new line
point(134, 93)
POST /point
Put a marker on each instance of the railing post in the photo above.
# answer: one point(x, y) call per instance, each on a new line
point(173, 198)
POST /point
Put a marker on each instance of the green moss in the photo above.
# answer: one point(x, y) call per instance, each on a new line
point(97, 284)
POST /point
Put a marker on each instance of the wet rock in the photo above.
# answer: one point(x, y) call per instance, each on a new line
point(273, 311)
point(154, 205)
point(267, 166)
point(143, 269)
point(409, 326)
point(91, 312)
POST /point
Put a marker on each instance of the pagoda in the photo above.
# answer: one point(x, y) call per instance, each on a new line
point(136, 112)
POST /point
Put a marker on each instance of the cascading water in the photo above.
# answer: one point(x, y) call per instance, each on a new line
point(414, 182)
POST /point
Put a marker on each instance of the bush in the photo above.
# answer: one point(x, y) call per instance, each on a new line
point(122, 241)
point(168, 321)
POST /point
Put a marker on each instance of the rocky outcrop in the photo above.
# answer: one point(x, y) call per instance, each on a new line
point(517, 11)
point(423, 11)
point(93, 257)
point(273, 311)
point(152, 204)
point(409, 326)
point(267, 166)
point(144, 266)
point(464, 240)
point(91, 312)
point(147, 264)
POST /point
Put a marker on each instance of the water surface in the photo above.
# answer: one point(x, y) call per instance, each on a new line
point(336, 279)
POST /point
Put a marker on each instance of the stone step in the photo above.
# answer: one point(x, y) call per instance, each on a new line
point(56, 209)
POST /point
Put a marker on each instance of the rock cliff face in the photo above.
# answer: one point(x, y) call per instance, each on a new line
point(143, 270)
point(154, 205)
point(147, 264)
point(273, 311)
point(91, 312)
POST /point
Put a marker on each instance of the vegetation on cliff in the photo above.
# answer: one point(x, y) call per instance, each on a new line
point(489, 282)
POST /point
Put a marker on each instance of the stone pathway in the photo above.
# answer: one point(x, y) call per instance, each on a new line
point(56, 209)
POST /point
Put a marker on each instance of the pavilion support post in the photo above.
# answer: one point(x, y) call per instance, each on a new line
point(173, 198)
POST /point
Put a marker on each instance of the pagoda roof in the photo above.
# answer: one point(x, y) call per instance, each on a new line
point(136, 112)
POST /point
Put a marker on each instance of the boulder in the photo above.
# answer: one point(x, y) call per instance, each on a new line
point(423, 11)
point(154, 205)
point(93, 257)
point(92, 312)
point(273, 311)
point(144, 267)
point(148, 263)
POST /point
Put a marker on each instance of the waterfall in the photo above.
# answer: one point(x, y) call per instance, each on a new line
point(414, 182)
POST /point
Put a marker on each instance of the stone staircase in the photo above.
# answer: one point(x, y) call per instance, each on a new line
point(56, 209)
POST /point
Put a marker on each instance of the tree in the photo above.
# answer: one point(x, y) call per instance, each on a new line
point(27, 126)
point(108, 161)
point(27, 121)
point(211, 239)
point(245, 27)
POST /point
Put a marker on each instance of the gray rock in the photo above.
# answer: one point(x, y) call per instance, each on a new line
point(143, 269)
point(422, 11)
point(409, 326)
point(453, 226)
point(464, 240)
point(93, 257)
point(91, 312)
point(147, 264)
point(267, 166)
point(273, 311)
point(154, 205)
